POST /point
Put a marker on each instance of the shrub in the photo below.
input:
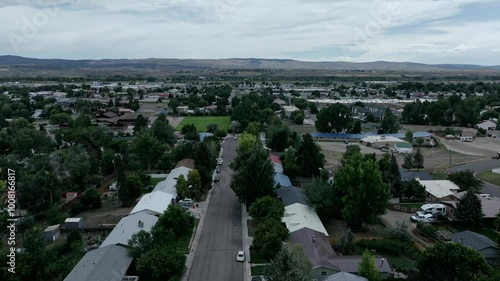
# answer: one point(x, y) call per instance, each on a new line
point(389, 246)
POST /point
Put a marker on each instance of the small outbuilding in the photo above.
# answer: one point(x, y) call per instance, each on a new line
point(52, 233)
point(73, 223)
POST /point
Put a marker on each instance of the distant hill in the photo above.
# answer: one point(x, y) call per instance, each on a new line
point(22, 63)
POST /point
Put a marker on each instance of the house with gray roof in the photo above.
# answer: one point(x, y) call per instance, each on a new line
point(485, 246)
point(344, 276)
point(291, 195)
point(128, 226)
point(108, 263)
point(418, 175)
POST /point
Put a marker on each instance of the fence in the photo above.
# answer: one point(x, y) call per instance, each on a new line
point(402, 208)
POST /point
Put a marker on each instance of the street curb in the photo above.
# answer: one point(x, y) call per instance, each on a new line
point(247, 274)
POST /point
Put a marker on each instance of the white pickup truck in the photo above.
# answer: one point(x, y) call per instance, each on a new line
point(419, 216)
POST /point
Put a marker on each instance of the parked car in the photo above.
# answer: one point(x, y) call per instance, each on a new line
point(218, 169)
point(419, 216)
point(220, 161)
point(240, 256)
point(216, 179)
point(235, 137)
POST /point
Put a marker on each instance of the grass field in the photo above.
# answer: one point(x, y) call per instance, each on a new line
point(489, 176)
point(154, 181)
point(201, 122)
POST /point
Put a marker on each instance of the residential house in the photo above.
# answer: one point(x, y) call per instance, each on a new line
point(291, 195)
point(108, 263)
point(485, 246)
point(344, 276)
point(280, 102)
point(298, 216)
point(281, 180)
point(209, 109)
point(187, 162)
point(491, 205)
point(204, 135)
point(359, 110)
point(169, 184)
point(350, 264)
point(289, 109)
point(403, 147)
point(154, 203)
point(275, 159)
point(439, 190)
point(487, 125)
point(128, 226)
point(73, 223)
point(182, 109)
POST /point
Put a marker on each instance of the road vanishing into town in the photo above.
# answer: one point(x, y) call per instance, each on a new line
point(481, 166)
point(221, 236)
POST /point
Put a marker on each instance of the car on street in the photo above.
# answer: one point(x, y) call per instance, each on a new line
point(216, 179)
point(240, 256)
point(220, 161)
point(218, 169)
point(421, 217)
point(235, 137)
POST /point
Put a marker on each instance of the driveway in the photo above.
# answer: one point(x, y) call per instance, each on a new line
point(481, 166)
point(221, 236)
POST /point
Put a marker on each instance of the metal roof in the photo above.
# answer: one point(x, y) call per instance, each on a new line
point(282, 180)
point(298, 216)
point(128, 226)
point(474, 240)
point(344, 276)
point(155, 202)
point(291, 195)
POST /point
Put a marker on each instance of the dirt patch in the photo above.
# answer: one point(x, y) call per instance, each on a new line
point(481, 146)
point(336, 228)
point(175, 121)
point(104, 215)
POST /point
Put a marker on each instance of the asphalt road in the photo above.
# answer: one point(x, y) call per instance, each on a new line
point(221, 236)
point(481, 166)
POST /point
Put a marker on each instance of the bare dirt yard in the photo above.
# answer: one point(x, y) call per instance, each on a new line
point(104, 215)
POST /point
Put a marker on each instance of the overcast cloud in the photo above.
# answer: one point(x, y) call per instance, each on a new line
point(427, 31)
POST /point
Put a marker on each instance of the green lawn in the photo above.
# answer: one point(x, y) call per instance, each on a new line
point(201, 122)
point(439, 176)
point(256, 257)
point(489, 176)
point(258, 270)
point(154, 181)
point(182, 243)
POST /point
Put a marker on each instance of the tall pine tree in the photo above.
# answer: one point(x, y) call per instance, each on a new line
point(309, 157)
point(469, 208)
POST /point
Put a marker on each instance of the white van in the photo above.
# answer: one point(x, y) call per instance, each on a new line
point(466, 139)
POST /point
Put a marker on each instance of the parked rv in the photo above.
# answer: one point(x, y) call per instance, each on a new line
point(434, 209)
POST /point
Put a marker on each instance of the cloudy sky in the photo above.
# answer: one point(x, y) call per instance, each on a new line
point(426, 31)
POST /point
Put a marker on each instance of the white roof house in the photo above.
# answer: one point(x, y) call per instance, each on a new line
point(487, 125)
point(298, 216)
point(154, 203)
point(129, 226)
point(290, 108)
point(168, 185)
point(439, 188)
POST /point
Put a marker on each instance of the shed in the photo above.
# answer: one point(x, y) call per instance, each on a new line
point(52, 233)
point(73, 223)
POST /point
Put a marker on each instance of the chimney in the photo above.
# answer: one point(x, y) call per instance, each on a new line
point(140, 224)
point(314, 238)
point(382, 262)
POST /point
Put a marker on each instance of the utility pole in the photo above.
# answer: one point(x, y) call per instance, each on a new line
point(449, 148)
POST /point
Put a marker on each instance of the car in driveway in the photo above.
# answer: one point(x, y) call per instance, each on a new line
point(421, 217)
point(240, 256)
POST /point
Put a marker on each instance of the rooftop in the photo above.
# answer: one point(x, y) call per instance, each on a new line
point(439, 188)
point(474, 240)
point(168, 185)
point(344, 276)
point(315, 244)
point(281, 180)
point(351, 263)
point(73, 220)
point(155, 202)
point(291, 195)
point(298, 216)
point(128, 226)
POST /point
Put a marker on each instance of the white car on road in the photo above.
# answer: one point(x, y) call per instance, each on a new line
point(240, 256)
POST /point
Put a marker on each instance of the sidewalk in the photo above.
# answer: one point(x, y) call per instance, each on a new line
point(247, 242)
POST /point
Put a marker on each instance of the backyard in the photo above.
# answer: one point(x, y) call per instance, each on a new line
point(201, 122)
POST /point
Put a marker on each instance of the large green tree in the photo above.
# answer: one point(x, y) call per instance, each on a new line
point(148, 149)
point(469, 209)
point(290, 163)
point(140, 124)
point(321, 196)
point(389, 124)
point(466, 180)
point(389, 169)
point(162, 263)
point(253, 173)
point(163, 131)
point(277, 136)
point(451, 262)
point(176, 219)
point(367, 267)
point(366, 195)
point(336, 117)
point(309, 157)
point(289, 265)
point(267, 207)
point(269, 236)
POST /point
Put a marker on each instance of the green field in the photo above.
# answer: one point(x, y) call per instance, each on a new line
point(489, 176)
point(201, 122)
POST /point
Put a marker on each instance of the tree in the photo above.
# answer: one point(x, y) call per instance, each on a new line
point(408, 161)
point(130, 189)
point(366, 195)
point(91, 199)
point(220, 133)
point(289, 265)
point(320, 195)
point(418, 159)
point(409, 136)
point(389, 124)
point(347, 242)
point(469, 209)
point(235, 126)
point(181, 186)
point(451, 262)
point(356, 128)
point(148, 149)
point(140, 124)
point(291, 166)
point(336, 117)
point(194, 184)
point(161, 263)
point(297, 117)
point(163, 131)
point(212, 127)
point(367, 267)
point(267, 208)
point(277, 137)
point(190, 132)
point(389, 169)
point(465, 180)
point(253, 129)
point(176, 219)
point(140, 243)
point(412, 189)
point(254, 173)
point(309, 157)
point(269, 236)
